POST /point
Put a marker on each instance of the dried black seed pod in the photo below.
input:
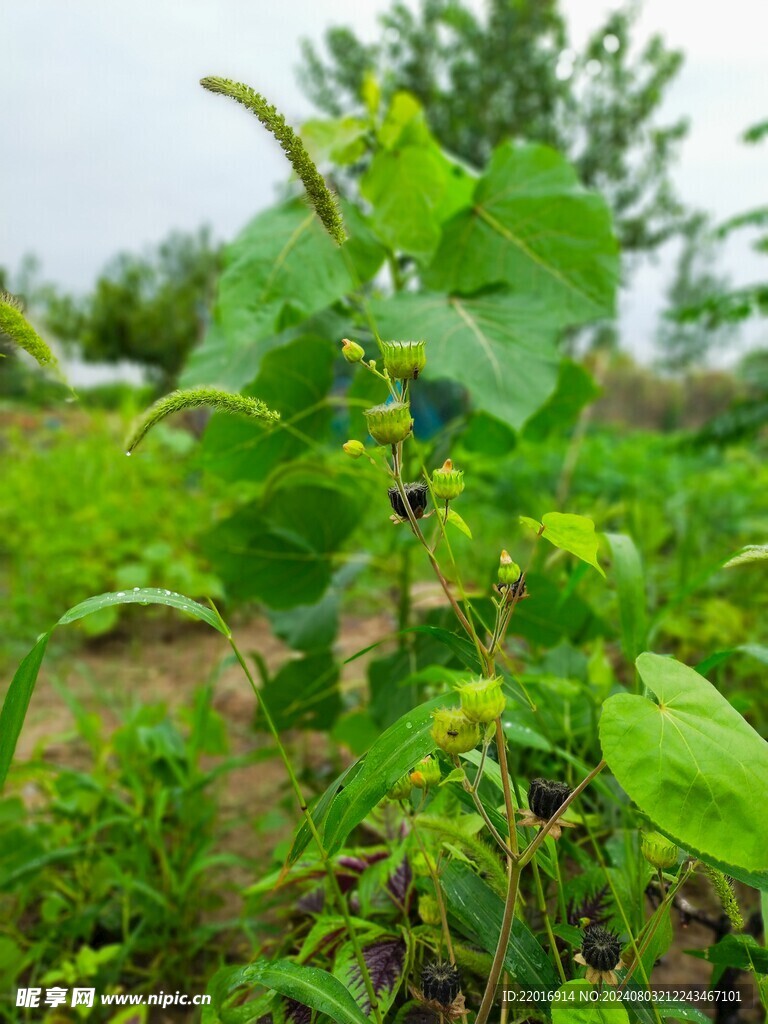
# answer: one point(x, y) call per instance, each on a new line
point(545, 796)
point(441, 982)
point(417, 499)
point(600, 948)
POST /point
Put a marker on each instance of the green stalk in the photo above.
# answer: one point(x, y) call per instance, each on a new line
point(327, 865)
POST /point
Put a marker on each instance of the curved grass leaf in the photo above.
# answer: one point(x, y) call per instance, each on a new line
point(23, 683)
point(691, 762)
point(308, 985)
point(628, 569)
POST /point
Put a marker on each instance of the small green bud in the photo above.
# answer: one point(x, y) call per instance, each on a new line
point(354, 449)
point(426, 773)
point(509, 571)
point(453, 732)
point(404, 360)
point(351, 351)
point(482, 700)
point(658, 850)
point(447, 482)
point(389, 424)
point(429, 911)
point(401, 789)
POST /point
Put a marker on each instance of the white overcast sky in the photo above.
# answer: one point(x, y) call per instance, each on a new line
point(108, 142)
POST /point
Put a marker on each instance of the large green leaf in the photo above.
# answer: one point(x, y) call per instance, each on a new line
point(568, 532)
point(310, 986)
point(296, 378)
point(690, 762)
point(480, 911)
point(23, 683)
point(396, 751)
point(279, 271)
point(574, 1003)
point(280, 549)
point(501, 346)
point(533, 227)
point(304, 693)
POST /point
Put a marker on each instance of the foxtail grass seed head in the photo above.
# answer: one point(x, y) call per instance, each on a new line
point(351, 351)
point(416, 493)
point(545, 796)
point(389, 423)
point(401, 789)
point(354, 448)
point(16, 327)
point(723, 886)
point(404, 360)
point(509, 570)
point(440, 982)
point(320, 196)
point(447, 482)
point(482, 700)
point(426, 773)
point(600, 953)
point(453, 732)
point(658, 850)
point(196, 398)
point(429, 911)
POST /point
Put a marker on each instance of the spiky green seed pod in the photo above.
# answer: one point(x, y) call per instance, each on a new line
point(453, 732)
point(429, 911)
point(426, 773)
point(482, 700)
point(351, 351)
point(447, 482)
point(723, 887)
point(318, 193)
point(389, 424)
point(404, 360)
point(196, 398)
point(14, 324)
point(401, 789)
point(354, 449)
point(658, 850)
point(509, 571)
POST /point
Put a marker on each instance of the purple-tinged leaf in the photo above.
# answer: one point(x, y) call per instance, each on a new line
point(399, 883)
point(385, 958)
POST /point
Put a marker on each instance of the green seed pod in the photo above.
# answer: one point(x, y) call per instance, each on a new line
point(447, 482)
point(426, 773)
point(401, 789)
point(404, 360)
point(354, 449)
point(453, 732)
point(482, 700)
point(658, 850)
point(723, 886)
point(429, 911)
point(509, 571)
point(351, 351)
point(389, 424)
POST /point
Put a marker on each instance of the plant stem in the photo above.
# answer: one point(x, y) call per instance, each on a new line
point(547, 922)
point(327, 865)
point(513, 873)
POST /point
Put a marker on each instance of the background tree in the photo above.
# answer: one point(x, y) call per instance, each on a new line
point(150, 309)
point(513, 72)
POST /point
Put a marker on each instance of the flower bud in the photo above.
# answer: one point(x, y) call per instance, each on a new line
point(429, 911)
point(453, 732)
point(416, 493)
point(354, 449)
point(658, 850)
point(351, 351)
point(441, 982)
point(401, 789)
point(482, 700)
point(426, 773)
point(447, 482)
point(404, 360)
point(509, 571)
point(389, 424)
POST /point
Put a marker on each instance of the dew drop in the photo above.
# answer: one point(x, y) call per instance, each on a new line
point(136, 588)
point(128, 454)
point(121, 593)
point(409, 725)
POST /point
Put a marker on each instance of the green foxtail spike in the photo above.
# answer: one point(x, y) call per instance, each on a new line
point(196, 398)
point(320, 196)
point(16, 327)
